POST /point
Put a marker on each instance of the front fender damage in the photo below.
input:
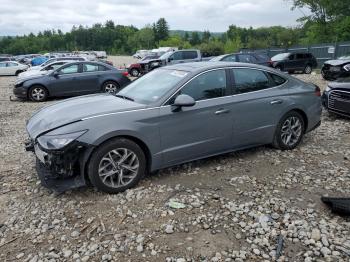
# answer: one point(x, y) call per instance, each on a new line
point(62, 170)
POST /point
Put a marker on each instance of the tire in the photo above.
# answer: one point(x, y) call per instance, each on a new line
point(308, 69)
point(324, 76)
point(134, 72)
point(107, 158)
point(38, 93)
point(110, 87)
point(281, 137)
point(18, 72)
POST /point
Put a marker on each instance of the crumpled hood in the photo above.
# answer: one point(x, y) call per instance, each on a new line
point(337, 62)
point(149, 60)
point(75, 109)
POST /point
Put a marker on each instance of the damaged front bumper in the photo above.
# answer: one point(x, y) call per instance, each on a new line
point(61, 170)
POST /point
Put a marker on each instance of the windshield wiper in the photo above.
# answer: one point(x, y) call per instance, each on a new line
point(125, 97)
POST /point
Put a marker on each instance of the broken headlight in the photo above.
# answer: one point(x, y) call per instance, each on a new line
point(55, 142)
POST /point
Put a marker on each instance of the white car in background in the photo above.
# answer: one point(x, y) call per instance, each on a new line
point(11, 68)
point(43, 70)
point(51, 60)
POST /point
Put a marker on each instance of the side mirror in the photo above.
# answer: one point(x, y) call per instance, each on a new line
point(55, 74)
point(170, 59)
point(183, 101)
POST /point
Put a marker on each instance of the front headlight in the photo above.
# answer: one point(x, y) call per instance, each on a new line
point(328, 89)
point(347, 67)
point(19, 83)
point(55, 142)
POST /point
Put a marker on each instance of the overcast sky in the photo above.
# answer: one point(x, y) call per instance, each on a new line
point(25, 16)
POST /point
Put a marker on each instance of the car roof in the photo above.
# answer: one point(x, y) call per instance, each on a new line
point(203, 66)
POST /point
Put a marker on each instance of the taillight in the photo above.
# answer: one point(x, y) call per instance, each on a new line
point(125, 73)
point(317, 91)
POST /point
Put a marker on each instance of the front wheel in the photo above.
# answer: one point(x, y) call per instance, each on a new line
point(110, 87)
point(289, 132)
point(117, 165)
point(134, 72)
point(38, 93)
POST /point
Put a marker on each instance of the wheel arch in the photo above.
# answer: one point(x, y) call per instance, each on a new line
point(135, 139)
point(104, 81)
point(35, 84)
point(303, 114)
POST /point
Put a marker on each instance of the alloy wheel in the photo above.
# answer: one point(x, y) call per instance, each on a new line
point(111, 88)
point(308, 69)
point(118, 167)
point(37, 93)
point(291, 131)
point(134, 72)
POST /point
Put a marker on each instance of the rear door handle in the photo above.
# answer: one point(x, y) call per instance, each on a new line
point(222, 111)
point(276, 102)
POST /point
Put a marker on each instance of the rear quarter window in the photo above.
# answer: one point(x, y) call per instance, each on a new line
point(277, 80)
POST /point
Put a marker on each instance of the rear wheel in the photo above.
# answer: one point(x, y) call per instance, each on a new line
point(134, 72)
point(117, 165)
point(110, 87)
point(38, 93)
point(290, 131)
point(308, 69)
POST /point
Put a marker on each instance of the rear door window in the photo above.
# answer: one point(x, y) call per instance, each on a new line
point(249, 80)
point(2, 64)
point(90, 68)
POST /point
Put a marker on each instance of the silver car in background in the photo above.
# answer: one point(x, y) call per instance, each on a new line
point(172, 115)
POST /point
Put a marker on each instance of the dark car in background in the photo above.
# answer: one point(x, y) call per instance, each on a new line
point(336, 97)
point(253, 58)
point(76, 78)
point(291, 62)
point(337, 68)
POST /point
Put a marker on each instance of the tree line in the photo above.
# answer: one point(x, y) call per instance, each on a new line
point(329, 21)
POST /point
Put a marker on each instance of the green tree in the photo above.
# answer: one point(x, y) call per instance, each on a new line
point(206, 36)
point(195, 39)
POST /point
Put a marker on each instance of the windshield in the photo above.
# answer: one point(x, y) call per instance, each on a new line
point(280, 57)
point(152, 86)
point(165, 56)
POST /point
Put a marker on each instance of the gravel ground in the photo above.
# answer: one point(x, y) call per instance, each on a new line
point(234, 207)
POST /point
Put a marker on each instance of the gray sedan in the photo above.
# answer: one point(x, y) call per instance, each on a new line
point(72, 79)
point(172, 115)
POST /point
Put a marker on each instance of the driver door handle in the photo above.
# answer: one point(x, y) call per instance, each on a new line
point(222, 111)
point(276, 102)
